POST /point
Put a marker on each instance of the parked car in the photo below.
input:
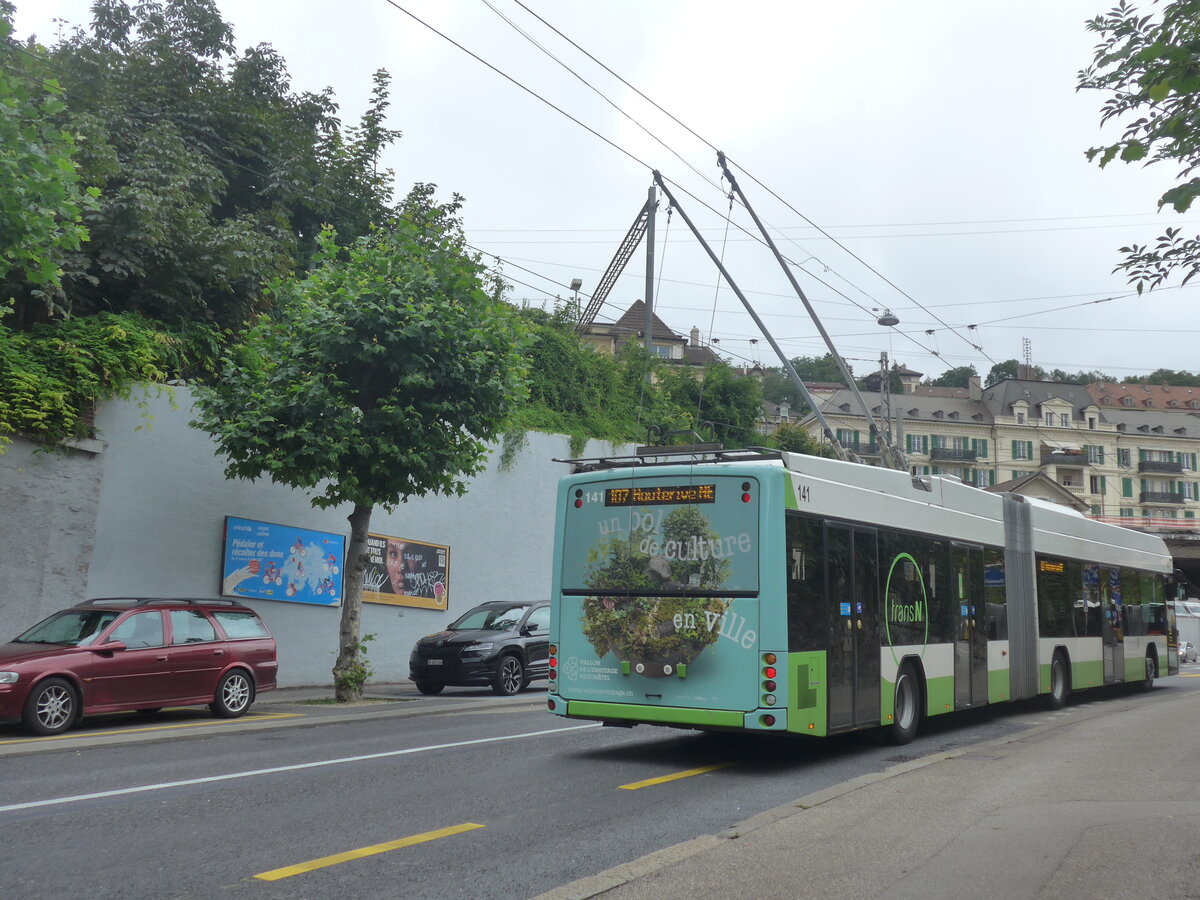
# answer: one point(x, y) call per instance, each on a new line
point(136, 654)
point(1187, 652)
point(505, 645)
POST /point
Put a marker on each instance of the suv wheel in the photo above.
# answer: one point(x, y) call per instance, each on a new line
point(510, 676)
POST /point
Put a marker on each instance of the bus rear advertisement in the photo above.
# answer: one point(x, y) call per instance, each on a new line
point(757, 590)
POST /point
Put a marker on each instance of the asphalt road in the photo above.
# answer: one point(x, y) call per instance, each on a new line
point(497, 801)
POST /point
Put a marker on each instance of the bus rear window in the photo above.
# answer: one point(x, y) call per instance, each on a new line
point(662, 537)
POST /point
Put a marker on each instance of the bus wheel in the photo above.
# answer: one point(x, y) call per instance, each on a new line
point(1151, 672)
point(1060, 682)
point(906, 711)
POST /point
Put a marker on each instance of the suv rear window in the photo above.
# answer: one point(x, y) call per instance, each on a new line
point(240, 624)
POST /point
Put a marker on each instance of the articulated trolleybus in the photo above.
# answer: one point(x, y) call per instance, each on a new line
point(765, 591)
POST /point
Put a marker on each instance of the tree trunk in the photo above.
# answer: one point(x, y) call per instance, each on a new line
point(349, 672)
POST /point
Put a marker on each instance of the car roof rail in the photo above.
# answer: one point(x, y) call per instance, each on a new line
point(148, 601)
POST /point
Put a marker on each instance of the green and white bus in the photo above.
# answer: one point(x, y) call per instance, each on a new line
point(766, 591)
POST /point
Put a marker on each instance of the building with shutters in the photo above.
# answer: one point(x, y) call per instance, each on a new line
point(1129, 463)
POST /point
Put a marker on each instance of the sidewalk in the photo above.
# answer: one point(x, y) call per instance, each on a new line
point(1103, 801)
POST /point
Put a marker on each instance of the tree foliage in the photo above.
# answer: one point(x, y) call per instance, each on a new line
point(778, 387)
point(959, 377)
point(722, 407)
point(377, 377)
point(796, 439)
point(1174, 377)
point(1149, 66)
point(41, 198)
point(51, 375)
point(214, 176)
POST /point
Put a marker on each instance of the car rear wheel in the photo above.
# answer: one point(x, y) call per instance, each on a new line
point(51, 707)
point(429, 687)
point(510, 676)
point(235, 693)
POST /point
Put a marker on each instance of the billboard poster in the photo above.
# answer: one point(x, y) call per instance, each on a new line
point(403, 572)
point(265, 561)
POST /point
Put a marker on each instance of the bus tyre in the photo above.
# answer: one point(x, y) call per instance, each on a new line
point(1151, 672)
point(906, 710)
point(1060, 682)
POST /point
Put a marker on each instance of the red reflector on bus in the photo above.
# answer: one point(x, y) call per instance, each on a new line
point(550, 703)
point(768, 686)
point(768, 720)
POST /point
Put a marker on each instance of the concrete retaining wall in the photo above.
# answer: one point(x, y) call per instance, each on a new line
point(144, 516)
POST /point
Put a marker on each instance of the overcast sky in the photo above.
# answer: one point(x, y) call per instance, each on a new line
point(940, 142)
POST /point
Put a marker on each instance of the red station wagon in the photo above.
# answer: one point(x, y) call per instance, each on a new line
point(136, 654)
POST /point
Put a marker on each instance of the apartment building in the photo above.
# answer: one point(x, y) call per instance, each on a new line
point(1128, 463)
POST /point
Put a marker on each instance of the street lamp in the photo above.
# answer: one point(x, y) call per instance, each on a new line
point(576, 284)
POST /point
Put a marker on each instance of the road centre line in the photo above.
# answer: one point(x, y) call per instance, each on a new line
point(334, 859)
point(92, 735)
point(663, 779)
point(57, 801)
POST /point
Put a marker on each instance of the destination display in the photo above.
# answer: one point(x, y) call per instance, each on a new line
point(657, 496)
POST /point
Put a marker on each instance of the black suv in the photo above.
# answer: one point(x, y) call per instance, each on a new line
point(502, 644)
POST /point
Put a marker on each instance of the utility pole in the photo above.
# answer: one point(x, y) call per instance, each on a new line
point(651, 206)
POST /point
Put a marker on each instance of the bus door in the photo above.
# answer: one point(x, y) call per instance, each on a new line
point(970, 635)
point(852, 574)
point(1111, 625)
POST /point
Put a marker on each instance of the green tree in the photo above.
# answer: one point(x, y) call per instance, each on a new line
point(719, 405)
point(1009, 369)
point(1080, 377)
point(796, 439)
point(957, 377)
point(778, 387)
point(215, 177)
point(1146, 64)
point(375, 378)
point(1165, 376)
point(41, 198)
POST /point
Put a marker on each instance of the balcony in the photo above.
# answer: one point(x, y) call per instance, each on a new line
point(1160, 497)
point(947, 454)
point(1166, 468)
point(1074, 460)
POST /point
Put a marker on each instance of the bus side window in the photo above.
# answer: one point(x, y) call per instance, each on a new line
point(808, 628)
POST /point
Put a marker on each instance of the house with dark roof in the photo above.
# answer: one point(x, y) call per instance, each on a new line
point(631, 326)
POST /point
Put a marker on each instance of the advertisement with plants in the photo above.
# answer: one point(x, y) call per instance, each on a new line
point(659, 597)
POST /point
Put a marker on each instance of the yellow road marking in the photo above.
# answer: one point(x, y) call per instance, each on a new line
point(94, 734)
point(301, 868)
point(662, 779)
point(1189, 675)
